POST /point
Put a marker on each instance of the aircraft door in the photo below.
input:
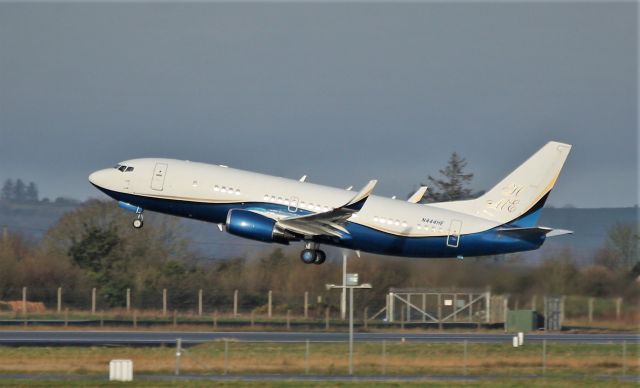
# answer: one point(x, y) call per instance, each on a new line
point(453, 240)
point(159, 172)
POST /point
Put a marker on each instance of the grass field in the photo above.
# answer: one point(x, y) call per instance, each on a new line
point(430, 359)
point(507, 383)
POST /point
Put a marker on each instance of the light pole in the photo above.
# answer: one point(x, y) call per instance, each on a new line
point(350, 283)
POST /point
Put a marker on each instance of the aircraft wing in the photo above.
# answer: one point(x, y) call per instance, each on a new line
point(330, 223)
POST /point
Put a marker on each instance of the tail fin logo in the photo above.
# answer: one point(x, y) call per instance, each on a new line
point(509, 201)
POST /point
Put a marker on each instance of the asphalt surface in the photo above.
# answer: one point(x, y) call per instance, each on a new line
point(318, 378)
point(168, 338)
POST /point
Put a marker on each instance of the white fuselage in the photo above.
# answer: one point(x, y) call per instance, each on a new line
point(275, 209)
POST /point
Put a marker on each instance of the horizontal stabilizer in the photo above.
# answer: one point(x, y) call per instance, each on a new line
point(559, 232)
point(534, 232)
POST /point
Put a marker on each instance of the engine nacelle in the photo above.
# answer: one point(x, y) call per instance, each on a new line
point(248, 224)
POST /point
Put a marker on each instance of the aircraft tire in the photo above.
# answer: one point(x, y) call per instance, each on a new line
point(308, 256)
point(320, 257)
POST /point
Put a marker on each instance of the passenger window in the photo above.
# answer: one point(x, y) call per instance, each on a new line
point(237, 192)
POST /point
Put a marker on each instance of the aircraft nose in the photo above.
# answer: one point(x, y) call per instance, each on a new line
point(99, 178)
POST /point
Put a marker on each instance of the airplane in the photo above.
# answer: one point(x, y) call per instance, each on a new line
point(279, 210)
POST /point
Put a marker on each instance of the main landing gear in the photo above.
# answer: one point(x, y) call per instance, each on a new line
point(312, 255)
point(138, 222)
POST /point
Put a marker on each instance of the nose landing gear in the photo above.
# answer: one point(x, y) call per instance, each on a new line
point(138, 222)
point(312, 255)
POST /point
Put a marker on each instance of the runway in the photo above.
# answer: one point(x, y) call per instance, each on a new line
point(168, 338)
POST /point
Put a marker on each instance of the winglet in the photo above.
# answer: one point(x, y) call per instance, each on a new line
point(417, 196)
point(357, 202)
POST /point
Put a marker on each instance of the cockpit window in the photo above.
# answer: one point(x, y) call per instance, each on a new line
point(122, 168)
point(129, 169)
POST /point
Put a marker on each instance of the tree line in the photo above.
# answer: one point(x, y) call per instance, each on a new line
point(95, 246)
point(19, 191)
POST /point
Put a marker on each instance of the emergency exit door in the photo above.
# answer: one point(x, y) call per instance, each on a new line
point(159, 172)
point(453, 240)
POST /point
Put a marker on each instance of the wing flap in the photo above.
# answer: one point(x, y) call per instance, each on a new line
point(331, 222)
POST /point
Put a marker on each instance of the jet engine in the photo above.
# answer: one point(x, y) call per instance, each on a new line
point(248, 224)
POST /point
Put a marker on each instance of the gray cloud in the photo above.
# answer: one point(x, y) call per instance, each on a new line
point(342, 92)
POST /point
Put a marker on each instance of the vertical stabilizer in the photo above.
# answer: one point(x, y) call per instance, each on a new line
point(518, 198)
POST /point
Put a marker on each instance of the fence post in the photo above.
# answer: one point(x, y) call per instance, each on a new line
point(93, 301)
point(326, 318)
point(164, 302)
point(487, 297)
point(200, 302)
point(226, 356)
point(215, 320)
point(402, 319)
point(66, 317)
point(440, 311)
point(533, 302)
point(178, 354)
point(465, 357)
point(618, 307)
point(544, 357)
point(59, 299)
point(455, 307)
point(24, 301)
point(306, 358)
point(365, 314)
point(505, 311)
point(384, 357)
point(624, 358)
point(590, 309)
point(306, 304)
point(253, 314)
point(235, 303)
point(270, 300)
point(562, 315)
point(175, 318)
point(128, 299)
point(288, 319)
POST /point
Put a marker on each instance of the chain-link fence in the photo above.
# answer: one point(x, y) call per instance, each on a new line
point(277, 306)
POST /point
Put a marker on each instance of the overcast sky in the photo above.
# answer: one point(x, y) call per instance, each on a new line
point(341, 92)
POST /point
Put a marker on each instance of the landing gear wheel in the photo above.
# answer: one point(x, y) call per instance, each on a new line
point(308, 256)
point(138, 223)
point(320, 257)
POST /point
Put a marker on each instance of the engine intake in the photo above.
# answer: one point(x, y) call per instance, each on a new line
point(248, 224)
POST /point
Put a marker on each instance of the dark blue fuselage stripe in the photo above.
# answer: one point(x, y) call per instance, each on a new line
point(360, 237)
